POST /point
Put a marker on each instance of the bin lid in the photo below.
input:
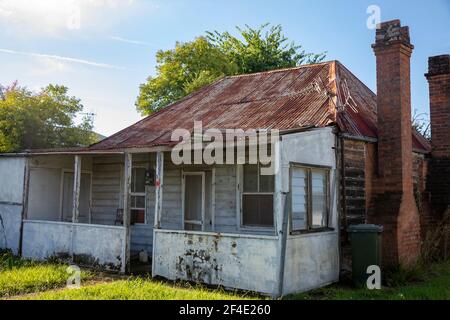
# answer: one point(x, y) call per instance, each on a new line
point(366, 228)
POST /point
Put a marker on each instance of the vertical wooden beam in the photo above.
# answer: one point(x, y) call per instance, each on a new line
point(281, 211)
point(76, 189)
point(213, 200)
point(26, 188)
point(159, 182)
point(126, 212)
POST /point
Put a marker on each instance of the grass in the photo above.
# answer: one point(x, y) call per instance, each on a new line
point(26, 279)
point(19, 276)
point(432, 283)
point(137, 289)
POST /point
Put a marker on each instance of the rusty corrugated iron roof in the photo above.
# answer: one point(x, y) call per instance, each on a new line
point(316, 95)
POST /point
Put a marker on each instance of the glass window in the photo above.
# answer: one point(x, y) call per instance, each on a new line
point(309, 198)
point(319, 199)
point(251, 178)
point(138, 195)
point(138, 180)
point(257, 198)
point(299, 187)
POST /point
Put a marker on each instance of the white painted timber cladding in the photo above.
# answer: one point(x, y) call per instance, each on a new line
point(102, 244)
point(12, 178)
point(233, 261)
point(312, 260)
point(12, 173)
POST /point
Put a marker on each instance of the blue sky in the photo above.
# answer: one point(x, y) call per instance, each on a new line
point(103, 49)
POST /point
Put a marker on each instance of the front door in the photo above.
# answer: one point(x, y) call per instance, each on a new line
point(194, 201)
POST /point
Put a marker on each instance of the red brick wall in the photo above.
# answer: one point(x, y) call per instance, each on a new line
point(439, 175)
point(392, 201)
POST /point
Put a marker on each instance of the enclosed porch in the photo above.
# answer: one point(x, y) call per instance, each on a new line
point(95, 209)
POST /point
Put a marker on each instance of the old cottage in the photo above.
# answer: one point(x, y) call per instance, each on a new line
point(345, 156)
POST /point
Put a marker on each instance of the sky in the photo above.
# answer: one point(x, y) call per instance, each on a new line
point(104, 49)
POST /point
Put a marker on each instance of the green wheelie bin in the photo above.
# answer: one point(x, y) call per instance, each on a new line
point(365, 242)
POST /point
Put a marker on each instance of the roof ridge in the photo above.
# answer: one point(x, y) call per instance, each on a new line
point(282, 70)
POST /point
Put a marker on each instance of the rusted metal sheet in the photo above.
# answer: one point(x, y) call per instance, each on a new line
point(318, 95)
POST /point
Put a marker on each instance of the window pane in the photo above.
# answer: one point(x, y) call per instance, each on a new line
point(299, 199)
point(319, 198)
point(138, 180)
point(257, 210)
point(250, 178)
point(266, 182)
point(193, 198)
point(138, 202)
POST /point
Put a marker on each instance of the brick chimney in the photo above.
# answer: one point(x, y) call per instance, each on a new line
point(393, 204)
point(439, 180)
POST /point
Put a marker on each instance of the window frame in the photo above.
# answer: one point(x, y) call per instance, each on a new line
point(241, 198)
point(139, 194)
point(309, 169)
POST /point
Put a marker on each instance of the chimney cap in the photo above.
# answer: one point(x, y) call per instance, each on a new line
point(392, 32)
point(438, 65)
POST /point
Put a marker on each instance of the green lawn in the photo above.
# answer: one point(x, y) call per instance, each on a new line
point(137, 289)
point(433, 285)
point(46, 281)
point(23, 276)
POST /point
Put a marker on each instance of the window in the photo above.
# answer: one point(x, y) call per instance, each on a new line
point(309, 198)
point(257, 198)
point(138, 176)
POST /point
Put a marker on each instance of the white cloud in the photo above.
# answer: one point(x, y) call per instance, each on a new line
point(130, 41)
point(62, 59)
point(46, 66)
point(57, 16)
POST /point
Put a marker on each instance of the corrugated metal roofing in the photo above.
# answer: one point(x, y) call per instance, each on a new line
point(312, 95)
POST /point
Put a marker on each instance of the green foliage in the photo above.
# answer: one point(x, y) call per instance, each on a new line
point(8, 261)
point(41, 120)
point(181, 71)
point(402, 276)
point(195, 64)
point(262, 49)
point(432, 283)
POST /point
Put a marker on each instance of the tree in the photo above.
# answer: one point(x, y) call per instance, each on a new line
point(262, 49)
point(192, 65)
point(41, 120)
point(181, 71)
point(421, 124)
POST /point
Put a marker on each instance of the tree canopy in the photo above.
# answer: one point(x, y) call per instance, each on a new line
point(41, 120)
point(192, 65)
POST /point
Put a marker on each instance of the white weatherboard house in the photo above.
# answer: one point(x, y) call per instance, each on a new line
point(220, 224)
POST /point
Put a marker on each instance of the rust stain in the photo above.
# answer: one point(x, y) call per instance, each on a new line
point(316, 95)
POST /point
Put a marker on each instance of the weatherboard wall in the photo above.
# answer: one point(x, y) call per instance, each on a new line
point(12, 175)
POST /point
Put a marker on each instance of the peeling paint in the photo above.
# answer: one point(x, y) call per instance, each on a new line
point(87, 245)
point(216, 260)
point(10, 221)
